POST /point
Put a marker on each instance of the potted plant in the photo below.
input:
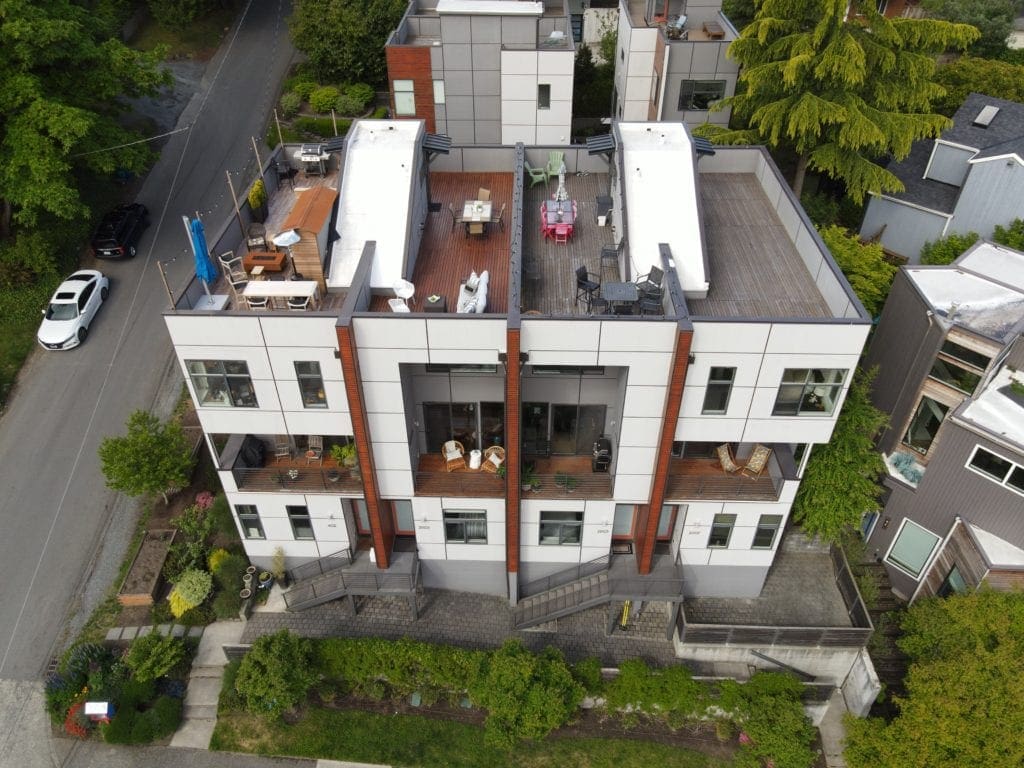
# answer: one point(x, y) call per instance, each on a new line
point(266, 579)
point(345, 455)
point(277, 567)
point(571, 483)
point(258, 200)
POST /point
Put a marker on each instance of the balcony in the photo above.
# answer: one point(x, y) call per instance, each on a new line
point(700, 478)
point(265, 464)
point(568, 477)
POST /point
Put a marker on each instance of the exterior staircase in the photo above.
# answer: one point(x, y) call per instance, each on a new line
point(588, 592)
point(889, 661)
point(336, 577)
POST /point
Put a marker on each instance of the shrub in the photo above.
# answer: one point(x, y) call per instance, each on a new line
point(61, 693)
point(346, 105)
point(153, 656)
point(119, 729)
point(76, 723)
point(229, 573)
point(1011, 236)
point(768, 711)
point(526, 696)
point(671, 694)
point(229, 700)
point(276, 673)
point(588, 674)
point(946, 250)
point(380, 113)
point(165, 716)
point(361, 93)
point(142, 729)
point(303, 88)
point(290, 104)
point(226, 604)
point(190, 591)
point(321, 127)
point(194, 526)
point(323, 98)
point(216, 558)
point(223, 521)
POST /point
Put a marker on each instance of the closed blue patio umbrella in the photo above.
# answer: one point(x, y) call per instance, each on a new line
point(205, 270)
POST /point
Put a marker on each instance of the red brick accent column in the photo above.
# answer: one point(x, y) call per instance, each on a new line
point(648, 514)
point(513, 446)
point(382, 526)
point(412, 62)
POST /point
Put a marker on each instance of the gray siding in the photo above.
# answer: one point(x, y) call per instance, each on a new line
point(960, 551)
point(949, 164)
point(697, 60)
point(723, 580)
point(907, 229)
point(480, 576)
point(993, 194)
point(903, 347)
point(949, 489)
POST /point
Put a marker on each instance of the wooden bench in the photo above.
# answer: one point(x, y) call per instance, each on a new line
point(714, 30)
point(271, 261)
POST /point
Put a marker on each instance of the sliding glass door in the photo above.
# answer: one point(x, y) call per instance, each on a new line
point(574, 428)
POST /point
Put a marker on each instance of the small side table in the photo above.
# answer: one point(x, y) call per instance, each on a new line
point(435, 303)
point(475, 457)
point(257, 272)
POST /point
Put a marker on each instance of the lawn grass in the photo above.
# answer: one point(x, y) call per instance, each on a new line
point(411, 740)
point(198, 41)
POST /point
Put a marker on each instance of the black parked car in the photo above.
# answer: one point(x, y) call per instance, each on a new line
point(119, 231)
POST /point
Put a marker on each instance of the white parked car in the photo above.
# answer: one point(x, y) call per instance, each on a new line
point(71, 311)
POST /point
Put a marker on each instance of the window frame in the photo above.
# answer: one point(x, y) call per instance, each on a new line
point(319, 393)
point(914, 414)
point(296, 518)
point(807, 390)
point(247, 518)
point(903, 567)
point(563, 528)
point(461, 517)
point(543, 96)
point(693, 91)
point(718, 384)
point(722, 520)
point(1014, 469)
point(230, 383)
point(402, 108)
point(763, 526)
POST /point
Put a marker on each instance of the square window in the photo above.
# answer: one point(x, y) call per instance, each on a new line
point(988, 463)
point(721, 531)
point(764, 535)
point(809, 391)
point(465, 526)
point(543, 96)
point(302, 526)
point(912, 548)
point(222, 383)
point(561, 528)
point(700, 94)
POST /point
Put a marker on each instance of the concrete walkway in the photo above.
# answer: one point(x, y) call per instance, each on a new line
point(204, 682)
point(833, 731)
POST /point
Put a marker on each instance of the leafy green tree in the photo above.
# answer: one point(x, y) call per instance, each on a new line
point(62, 79)
point(838, 92)
point(152, 656)
point(190, 591)
point(1011, 236)
point(276, 673)
point(993, 19)
point(840, 483)
point(864, 265)
point(151, 458)
point(947, 249)
point(739, 12)
point(769, 712)
point(179, 14)
point(968, 74)
point(964, 688)
point(344, 39)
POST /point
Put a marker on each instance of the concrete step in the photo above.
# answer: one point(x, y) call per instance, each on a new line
point(206, 671)
point(203, 690)
point(200, 712)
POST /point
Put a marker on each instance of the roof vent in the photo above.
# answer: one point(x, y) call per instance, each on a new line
point(986, 116)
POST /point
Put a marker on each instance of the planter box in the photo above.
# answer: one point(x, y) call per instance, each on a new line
point(144, 577)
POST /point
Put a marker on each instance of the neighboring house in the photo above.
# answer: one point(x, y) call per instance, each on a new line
point(968, 180)
point(485, 71)
point(671, 63)
point(628, 440)
point(948, 348)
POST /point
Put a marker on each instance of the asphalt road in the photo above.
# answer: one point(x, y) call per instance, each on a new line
point(64, 532)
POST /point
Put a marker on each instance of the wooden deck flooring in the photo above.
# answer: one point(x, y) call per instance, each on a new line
point(433, 480)
point(705, 479)
point(755, 270)
point(447, 256)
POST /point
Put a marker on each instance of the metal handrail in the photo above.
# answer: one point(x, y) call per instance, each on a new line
point(320, 566)
point(337, 583)
point(566, 576)
point(310, 479)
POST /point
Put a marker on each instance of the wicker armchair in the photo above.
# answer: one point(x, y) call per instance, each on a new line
point(757, 462)
point(494, 457)
point(726, 459)
point(454, 455)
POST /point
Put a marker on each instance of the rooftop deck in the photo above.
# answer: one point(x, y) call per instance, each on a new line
point(754, 268)
point(694, 31)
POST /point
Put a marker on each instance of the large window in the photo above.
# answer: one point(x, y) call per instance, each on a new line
point(764, 535)
point(721, 531)
point(952, 374)
point(465, 527)
point(311, 384)
point(700, 94)
point(622, 525)
point(716, 396)
point(912, 548)
point(953, 584)
point(252, 528)
point(965, 355)
point(809, 391)
point(404, 522)
point(997, 469)
point(924, 425)
point(302, 526)
point(222, 383)
point(405, 99)
point(561, 528)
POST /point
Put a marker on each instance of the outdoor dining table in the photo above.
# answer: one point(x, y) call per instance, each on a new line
point(476, 215)
point(617, 293)
point(552, 209)
point(279, 291)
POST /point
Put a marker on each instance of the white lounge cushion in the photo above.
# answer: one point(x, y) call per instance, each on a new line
point(495, 459)
point(451, 450)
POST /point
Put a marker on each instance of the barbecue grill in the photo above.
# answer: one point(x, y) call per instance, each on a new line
point(602, 459)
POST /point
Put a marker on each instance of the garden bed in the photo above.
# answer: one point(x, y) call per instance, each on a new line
point(145, 573)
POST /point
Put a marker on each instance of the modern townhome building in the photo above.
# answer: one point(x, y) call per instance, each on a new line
point(970, 179)
point(671, 63)
point(607, 385)
point(950, 358)
point(485, 71)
